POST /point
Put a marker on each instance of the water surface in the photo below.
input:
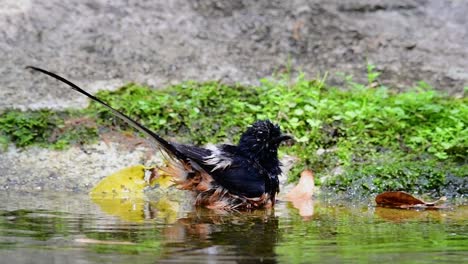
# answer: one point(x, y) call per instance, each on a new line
point(71, 228)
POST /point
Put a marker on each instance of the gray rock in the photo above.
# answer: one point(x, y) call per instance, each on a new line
point(103, 44)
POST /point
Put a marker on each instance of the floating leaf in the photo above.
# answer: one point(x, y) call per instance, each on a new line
point(396, 199)
point(406, 201)
point(128, 182)
point(127, 209)
point(301, 194)
point(166, 209)
point(162, 179)
point(121, 194)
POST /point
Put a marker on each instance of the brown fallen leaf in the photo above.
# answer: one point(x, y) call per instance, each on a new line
point(405, 200)
point(301, 194)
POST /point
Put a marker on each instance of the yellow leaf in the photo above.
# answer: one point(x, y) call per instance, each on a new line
point(127, 209)
point(163, 180)
point(121, 194)
point(128, 182)
point(166, 209)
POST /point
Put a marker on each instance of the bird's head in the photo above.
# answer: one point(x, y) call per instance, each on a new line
point(262, 140)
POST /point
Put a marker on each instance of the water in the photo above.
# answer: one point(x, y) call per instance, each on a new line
point(70, 228)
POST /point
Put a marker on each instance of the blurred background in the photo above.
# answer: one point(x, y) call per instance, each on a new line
point(104, 44)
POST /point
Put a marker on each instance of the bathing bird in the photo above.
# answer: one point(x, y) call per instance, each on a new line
point(224, 176)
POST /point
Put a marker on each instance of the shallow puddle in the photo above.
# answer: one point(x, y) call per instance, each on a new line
point(70, 228)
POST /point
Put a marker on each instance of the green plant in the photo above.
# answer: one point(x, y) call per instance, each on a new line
point(353, 129)
point(372, 74)
point(43, 127)
point(356, 127)
point(26, 128)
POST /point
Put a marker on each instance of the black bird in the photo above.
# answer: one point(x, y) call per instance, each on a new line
point(243, 176)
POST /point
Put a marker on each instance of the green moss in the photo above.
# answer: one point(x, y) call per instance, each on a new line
point(44, 128)
point(25, 128)
point(407, 141)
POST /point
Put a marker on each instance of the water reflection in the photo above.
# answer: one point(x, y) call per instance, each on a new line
point(404, 215)
point(204, 236)
point(72, 229)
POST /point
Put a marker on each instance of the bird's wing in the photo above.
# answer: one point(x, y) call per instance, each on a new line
point(241, 178)
point(194, 153)
point(228, 169)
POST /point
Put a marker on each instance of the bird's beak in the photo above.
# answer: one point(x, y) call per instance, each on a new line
point(285, 138)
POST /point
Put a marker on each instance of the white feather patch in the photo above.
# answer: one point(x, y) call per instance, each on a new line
point(217, 158)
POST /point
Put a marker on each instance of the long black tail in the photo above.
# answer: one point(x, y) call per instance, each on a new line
point(168, 147)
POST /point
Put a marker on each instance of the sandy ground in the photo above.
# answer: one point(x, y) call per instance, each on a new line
point(104, 44)
point(76, 169)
